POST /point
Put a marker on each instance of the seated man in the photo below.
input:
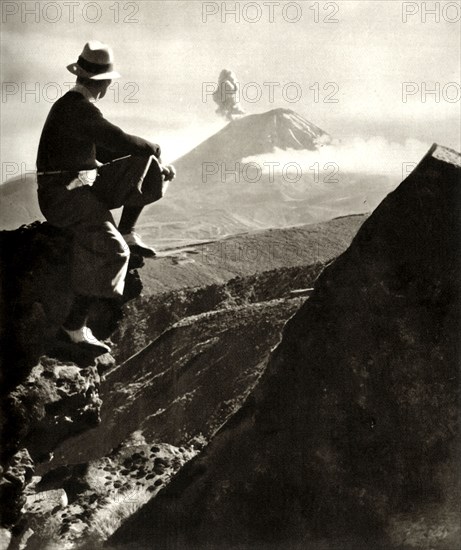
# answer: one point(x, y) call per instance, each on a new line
point(76, 191)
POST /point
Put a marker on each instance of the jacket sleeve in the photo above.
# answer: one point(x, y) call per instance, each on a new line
point(110, 140)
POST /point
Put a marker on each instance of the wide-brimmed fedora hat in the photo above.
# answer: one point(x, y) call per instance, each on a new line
point(95, 62)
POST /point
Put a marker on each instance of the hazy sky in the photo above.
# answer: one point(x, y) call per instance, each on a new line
point(167, 50)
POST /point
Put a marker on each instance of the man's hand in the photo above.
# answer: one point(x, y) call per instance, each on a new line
point(169, 172)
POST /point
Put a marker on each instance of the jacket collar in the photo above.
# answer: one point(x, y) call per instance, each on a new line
point(79, 88)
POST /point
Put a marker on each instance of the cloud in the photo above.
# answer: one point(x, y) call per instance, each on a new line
point(357, 155)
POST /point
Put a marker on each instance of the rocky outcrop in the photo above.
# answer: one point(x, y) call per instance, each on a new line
point(351, 437)
point(79, 505)
point(55, 401)
point(50, 388)
point(15, 477)
point(36, 296)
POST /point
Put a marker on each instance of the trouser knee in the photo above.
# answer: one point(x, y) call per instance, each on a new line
point(101, 258)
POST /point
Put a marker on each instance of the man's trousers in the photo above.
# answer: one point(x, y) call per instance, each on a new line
point(100, 254)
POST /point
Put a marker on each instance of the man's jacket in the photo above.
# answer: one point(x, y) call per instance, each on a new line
point(76, 134)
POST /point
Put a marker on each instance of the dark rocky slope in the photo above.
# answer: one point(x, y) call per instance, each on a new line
point(49, 388)
point(351, 437)
point(170, 389)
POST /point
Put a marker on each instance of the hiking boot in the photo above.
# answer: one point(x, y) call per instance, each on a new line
point(85, 336)
point(136, 244)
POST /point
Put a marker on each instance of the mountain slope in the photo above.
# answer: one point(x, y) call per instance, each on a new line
point(256, 135)
point(351, 437)
point(219, 191)
point(18, 202)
